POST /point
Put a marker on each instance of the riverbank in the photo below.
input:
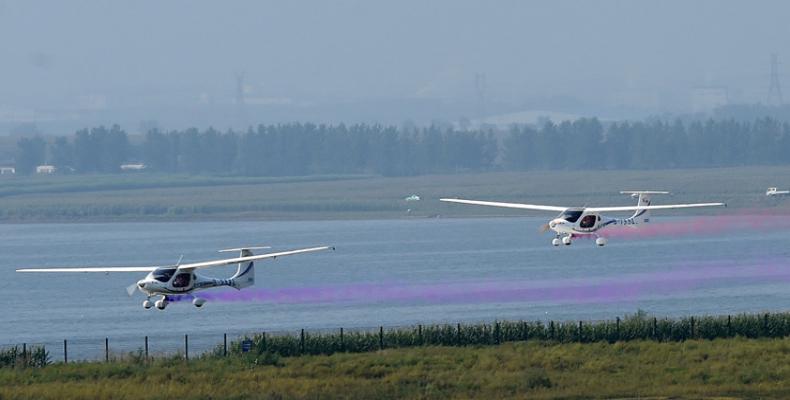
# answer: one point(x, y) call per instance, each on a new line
point(155, 197)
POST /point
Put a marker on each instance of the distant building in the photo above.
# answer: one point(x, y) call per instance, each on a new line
point(46, 169)
point(7, 170)
point(132, 167)
point(704, 99)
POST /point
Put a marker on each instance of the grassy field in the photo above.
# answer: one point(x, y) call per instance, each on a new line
point(174, 197)
point(722, 368)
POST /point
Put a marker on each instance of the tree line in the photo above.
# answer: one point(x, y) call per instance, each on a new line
point(307, 149)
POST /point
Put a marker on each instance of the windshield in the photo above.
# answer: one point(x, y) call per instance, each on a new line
point(571, 215)
point(164, 274)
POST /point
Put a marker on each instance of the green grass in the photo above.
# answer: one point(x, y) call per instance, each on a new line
point(722, 368)
point(176, 197)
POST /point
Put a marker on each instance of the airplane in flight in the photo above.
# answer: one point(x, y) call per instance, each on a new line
point(772, 191)
point(587, 221)
point(182, 279)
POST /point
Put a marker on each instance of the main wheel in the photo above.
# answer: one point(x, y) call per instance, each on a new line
point(601, 241)
point(148, 304)
point(161, 304)
point(566, 240)
point(555, 242)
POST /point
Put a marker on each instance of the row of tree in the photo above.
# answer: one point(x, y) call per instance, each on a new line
point(305, 149)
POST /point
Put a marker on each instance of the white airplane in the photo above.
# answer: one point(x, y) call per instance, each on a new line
point(585, 221)
point(181, 279)
point(772, 191)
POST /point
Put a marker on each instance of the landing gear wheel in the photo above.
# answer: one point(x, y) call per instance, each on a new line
point(601, 241)
point(555, 242)
point(147, 304)
point(566, 240)
point(161, 304)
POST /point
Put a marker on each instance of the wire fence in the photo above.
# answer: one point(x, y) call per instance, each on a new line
point(329, 341)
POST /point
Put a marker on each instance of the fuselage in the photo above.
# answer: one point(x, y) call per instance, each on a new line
point(578, 221)
point(169, 281)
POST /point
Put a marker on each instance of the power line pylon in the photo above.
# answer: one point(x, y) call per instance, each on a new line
point(775, 89)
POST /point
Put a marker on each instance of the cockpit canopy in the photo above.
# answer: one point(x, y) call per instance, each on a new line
point(163, 274)
point(572, 214)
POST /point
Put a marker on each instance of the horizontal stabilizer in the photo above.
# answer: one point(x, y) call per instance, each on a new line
point(244, 248)
point(644, 192)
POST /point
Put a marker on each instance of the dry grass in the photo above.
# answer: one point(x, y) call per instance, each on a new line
point(722, 368)
point(156, 197)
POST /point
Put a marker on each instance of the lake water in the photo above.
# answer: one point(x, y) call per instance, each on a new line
point(384, 272)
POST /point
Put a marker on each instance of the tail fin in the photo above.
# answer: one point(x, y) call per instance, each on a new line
point(642, 216)
point(245, 273)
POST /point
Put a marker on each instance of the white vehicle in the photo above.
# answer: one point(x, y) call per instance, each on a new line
point(181, 279)
point(772, 191)
point(585, 221)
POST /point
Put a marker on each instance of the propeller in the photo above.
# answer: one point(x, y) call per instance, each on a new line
point(543, 228)
point(131, 288)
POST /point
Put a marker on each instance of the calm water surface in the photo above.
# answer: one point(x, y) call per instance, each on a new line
point(388, 272)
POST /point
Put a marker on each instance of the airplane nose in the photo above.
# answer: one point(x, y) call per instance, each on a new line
point(141, 284)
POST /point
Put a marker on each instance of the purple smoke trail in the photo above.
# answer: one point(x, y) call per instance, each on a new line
point(743, 221)
point(600, 290)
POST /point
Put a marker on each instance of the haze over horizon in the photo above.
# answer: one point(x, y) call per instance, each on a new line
point(69, 65)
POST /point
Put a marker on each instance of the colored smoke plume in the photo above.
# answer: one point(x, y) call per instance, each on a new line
point(746, 221)
point(597, 290)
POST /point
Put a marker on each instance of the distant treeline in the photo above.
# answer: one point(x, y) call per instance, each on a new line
point(306, 149)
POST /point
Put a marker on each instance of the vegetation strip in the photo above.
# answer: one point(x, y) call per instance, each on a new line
point(721, 368)
point(635, 327)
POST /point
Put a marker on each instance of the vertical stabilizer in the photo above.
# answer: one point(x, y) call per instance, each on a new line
point(245, 273)
point(642, 216)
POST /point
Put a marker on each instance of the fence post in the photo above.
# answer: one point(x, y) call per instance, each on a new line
point(146, 348)
point(65, 352)
point(729, 326)
point(551, 330)
point(381, 338)
point(342, 342)
point(419, 334)
point(692, 328)
point(106, 349)
point(766, 330)
point(581, 339)
point(617, 328)
point(458, 338)
point(224, 344)
point(497, 333)
point(24, 355)
point(655, 328)
point(263, 341)
point(524, 331)
point(186, 347)
point(301, 342)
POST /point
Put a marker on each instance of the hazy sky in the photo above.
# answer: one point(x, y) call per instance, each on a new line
point(63, 54)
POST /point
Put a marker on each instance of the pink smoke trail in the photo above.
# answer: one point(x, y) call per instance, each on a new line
point(600, 290)
point(752, 221)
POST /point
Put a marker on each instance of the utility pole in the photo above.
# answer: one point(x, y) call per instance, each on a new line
point(241, 114)
point(480, 90)
point(775, 89)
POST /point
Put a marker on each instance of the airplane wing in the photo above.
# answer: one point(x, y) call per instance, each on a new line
point(90, 269)
point(190, 266)
point(236, 260)
point(507, 205)
point(661, 207)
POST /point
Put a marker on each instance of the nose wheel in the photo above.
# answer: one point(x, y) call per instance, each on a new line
point(566, 240)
